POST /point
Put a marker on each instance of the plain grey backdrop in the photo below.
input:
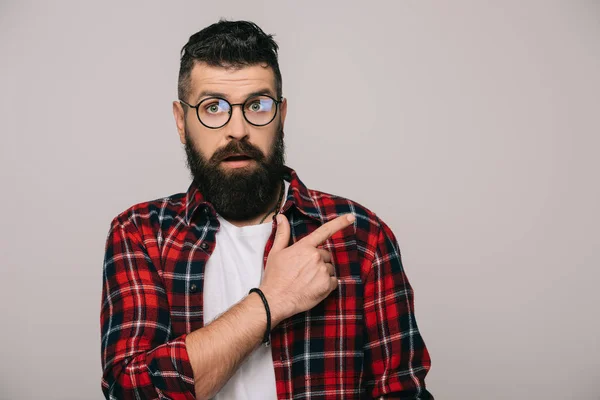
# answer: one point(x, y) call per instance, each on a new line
point(471, 127)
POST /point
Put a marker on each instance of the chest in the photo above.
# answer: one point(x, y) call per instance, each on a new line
point(306, 346)
point(234, 267)
point(184, 254)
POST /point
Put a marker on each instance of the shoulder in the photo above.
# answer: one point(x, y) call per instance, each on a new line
point(159, 211)
point(331, 206)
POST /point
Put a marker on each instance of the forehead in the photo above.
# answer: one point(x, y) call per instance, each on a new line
point(234, 83)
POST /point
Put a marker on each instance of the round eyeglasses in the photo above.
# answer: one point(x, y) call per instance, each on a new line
point(215, 112)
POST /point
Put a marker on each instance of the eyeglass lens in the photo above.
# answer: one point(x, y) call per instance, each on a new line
point(215, 112)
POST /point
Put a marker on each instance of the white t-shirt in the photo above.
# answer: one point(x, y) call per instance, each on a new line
point(235, 267)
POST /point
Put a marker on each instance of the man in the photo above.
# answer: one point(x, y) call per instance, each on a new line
point(195, 282)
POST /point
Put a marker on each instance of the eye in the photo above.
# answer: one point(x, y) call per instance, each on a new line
point(259, 104)
point(212, 108)
point(215, 106)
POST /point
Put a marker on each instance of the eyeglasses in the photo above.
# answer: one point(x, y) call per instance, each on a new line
point(215, 112)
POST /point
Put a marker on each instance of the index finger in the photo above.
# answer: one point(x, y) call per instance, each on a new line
point(327, 230)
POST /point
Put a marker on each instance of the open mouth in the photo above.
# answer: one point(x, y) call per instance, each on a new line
point(241, 157)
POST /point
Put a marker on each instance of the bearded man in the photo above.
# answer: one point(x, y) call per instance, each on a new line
point(250, 285)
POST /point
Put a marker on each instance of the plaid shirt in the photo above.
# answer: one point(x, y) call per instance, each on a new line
point(360, 342)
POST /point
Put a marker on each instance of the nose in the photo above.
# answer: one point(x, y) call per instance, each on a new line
point(237, 127)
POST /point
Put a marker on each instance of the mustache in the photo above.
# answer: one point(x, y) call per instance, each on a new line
point(235, 148)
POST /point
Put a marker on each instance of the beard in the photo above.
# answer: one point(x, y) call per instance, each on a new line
point(239, 193)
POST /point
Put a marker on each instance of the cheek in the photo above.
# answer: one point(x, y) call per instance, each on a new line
point(266, 147)
point(264, 141)
point(203, 144)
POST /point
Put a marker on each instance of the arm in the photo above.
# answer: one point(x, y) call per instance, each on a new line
point(139, 358)
point(395, 351)
point(218, 349)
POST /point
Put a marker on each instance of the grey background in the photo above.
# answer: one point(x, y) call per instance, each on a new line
point(470, 127)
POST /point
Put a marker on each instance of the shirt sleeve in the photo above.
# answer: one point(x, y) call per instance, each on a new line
point(396, 358)
point(140, 360)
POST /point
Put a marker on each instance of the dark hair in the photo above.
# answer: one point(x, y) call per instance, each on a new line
point(228, 44)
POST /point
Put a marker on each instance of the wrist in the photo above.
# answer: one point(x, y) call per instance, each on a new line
point(279, 309)
point(267, 335)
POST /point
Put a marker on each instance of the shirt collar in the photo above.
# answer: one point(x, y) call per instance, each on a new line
point(298, 196)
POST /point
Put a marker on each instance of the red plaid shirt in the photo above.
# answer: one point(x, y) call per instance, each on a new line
point(360, 342)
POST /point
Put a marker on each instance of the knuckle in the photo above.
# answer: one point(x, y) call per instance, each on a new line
point(316, 256)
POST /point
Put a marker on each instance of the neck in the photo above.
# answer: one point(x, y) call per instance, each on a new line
point(272, 204)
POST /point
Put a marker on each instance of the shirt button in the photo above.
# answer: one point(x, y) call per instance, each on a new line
point(204, 245)
point(193, 288)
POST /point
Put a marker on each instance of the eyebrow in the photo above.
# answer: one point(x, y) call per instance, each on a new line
point(207, 93)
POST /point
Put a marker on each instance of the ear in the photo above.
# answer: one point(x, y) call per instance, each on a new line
point(179, 115)
point(283, 110)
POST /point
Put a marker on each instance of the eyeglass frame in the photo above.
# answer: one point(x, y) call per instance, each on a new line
point(197, 106)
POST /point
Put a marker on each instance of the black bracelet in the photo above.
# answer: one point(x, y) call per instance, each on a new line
point(267, 338)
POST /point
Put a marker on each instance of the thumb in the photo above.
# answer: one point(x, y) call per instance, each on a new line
point(282, 236)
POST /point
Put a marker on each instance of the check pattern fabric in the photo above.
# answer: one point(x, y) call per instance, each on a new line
point(361, 342)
